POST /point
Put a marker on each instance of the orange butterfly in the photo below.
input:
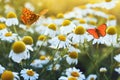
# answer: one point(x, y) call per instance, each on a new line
point(28, 17)
point(99, 31)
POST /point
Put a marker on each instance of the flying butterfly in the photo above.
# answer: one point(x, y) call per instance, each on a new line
point(99, 31)
point(28, 17)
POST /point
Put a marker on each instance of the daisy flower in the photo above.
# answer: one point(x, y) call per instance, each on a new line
point(72, 58)
point(40, 62)
point(11, 19)
point(103, 69)
point(28, 40)
point(54, 67)
point(9, 75)
point(1, 69)
point(75, 73)
point(51, 30)
point(117, 58)
point(82, 22)
point(2, 19)
point(111, 21)
point(29, 6)
point(60, 18)
point(59, 41)
point(79, 35)
point(42, 41)
point(117, 70)
point(74, 47)
point(67, 27)
point(29, 74)
point(111, 36)
point(3, 29)
point(9, 37)
point(92, 77)
point(68, 78)
point(19, 52)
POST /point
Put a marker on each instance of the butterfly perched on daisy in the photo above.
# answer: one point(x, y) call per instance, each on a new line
point(98, 32)
point(28, 17)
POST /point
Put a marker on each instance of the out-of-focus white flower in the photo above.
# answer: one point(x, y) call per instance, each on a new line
point(29, 6)
point(67, 27)
point(117, 58)
point(72, 58)
point(11, 19)
point(29, 74)
point(92, 77)
point(103, 69)
point(2, 19)
point(1, 69)
point(59, 41)
point(117, 70)
point(75, 73)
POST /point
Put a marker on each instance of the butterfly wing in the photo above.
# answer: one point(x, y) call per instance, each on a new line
point(93, 32)
point(44, 11)
point(102, 29)
point(28, 17)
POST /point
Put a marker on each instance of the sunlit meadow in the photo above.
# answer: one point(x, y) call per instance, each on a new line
point(59, 40)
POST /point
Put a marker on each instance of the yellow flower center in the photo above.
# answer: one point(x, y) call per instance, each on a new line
point(75, 74)
point(82, 21)
point(42, 37)
point(79, 30)
point(111, 30)
point(42, 57)
point(108, 0)
point(30, 72)
point(82, 7)
point(60, 15)
point(2, 26)
point(8, 34)
point(66, 22)
point(52, 26)
point(111, 17)
point(11, 15)
point(18, 47)
point(92, 78)
point(62, 38)
point(28, 40)
point(7, 75)
point(92, 22)
point(72, 78)
point(73, 55)
point(75, 45)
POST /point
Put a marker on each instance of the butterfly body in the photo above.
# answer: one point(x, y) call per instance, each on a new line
point(28, 17)
point(98, 32)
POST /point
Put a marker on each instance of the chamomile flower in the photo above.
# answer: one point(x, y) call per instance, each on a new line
point(1, 69)
point(41, 41)
point(117, 70)
point(59, 19)
point(68, 78)
point(111, 36)
point(72, 58)
point(103, 69)
point(3, 29)
point(2, 19)
point(75, 73)
point(54, 67)
point(11, 19)
point(29, 74)
point(59, 41)
point(28, 40)
point(67, 27)
point(74, 47)
point(9, 37)
point(51, 30)
point(92, 77)
point(117, 58)
point(82, 22)
point(19, 52)
point(40, 62)
point(111, 21)
point(9, 75)
point(79, 35)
